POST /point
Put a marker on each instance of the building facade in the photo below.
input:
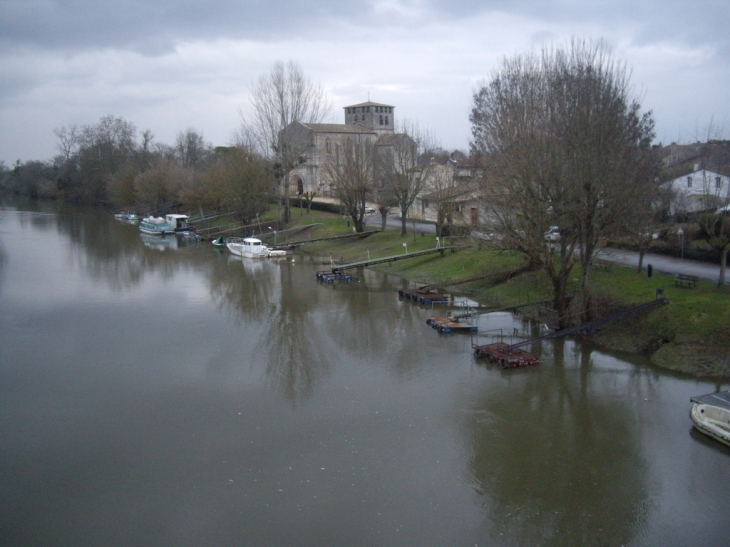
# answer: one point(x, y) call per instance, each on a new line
point(701, 190)
point(365, 122)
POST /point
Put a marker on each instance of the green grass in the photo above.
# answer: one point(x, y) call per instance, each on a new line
point(691, 334)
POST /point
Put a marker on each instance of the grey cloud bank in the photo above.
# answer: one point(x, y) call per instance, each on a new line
point(167, 66)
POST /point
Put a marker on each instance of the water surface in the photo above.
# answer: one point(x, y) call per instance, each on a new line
point(159, 392)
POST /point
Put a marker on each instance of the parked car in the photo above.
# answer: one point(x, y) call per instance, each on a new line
point(553, 234)
point(369, 210)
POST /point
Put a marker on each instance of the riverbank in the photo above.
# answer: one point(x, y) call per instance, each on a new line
point(690, 335)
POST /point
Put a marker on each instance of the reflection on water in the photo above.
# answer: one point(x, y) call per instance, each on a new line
point(557, 461)
point(168, 393)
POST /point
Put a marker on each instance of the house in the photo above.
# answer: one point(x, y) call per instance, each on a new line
point(452, 192)
point(700, 190)
point(315, 142)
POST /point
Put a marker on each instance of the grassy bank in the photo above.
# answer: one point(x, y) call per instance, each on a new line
point(690, 335)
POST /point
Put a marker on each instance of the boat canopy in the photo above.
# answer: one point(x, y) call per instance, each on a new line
point(720, 399)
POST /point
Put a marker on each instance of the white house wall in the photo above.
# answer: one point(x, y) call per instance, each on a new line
point(700, 190)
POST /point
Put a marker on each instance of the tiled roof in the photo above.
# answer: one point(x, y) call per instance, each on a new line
point(369, 103)
point(338, 128)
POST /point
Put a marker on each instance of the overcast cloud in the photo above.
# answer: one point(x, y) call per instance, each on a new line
point(169, 65)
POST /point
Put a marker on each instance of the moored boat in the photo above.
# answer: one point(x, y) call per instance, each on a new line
point(155, 226)
point(251, 247)
point(711, 415)
point(178, 223)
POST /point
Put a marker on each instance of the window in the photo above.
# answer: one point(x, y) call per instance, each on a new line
point(355, 117)
point(689, 182)
point(381, 119)
point(386, 120)
point(328, 146)
point(718, 182)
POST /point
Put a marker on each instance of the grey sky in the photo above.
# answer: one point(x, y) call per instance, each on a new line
point(167, 66)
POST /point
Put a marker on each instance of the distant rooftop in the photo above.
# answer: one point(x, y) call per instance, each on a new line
point(369, 103)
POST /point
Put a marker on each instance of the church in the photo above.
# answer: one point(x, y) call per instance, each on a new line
point(364, 122)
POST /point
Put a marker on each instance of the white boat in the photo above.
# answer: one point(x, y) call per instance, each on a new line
point(179, 223)
point(155, 226)
point(127, 217)
point(250, 247)
point(711, 415)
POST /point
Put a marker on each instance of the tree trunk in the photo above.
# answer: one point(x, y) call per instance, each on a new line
point(642, 252)
point(403, 221)
point(383, 224)
point(723, 267)
point(559, 303)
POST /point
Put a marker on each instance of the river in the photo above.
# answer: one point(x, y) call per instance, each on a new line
point(160, 392)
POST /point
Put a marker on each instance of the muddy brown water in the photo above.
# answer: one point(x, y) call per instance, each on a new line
point(162, 392)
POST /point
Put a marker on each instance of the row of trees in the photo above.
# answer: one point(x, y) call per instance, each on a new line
point(109, 163)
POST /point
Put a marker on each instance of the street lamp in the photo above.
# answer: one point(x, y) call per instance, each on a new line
point(680, 233)
point(406, 246)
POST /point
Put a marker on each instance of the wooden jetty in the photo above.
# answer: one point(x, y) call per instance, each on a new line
point(423, 297)
point(295, 244)
point(329, 278)
point(508, 356)
point(449, 324)
point(393, 258)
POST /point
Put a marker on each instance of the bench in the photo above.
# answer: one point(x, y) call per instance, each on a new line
point(603, 263)
point(689, 280)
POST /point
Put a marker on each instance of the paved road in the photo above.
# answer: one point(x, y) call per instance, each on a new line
point(660, 263)
point(393, 222)
point(664, 264)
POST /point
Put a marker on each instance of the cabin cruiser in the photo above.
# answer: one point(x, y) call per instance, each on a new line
point(155, 226)
point(250, 247)
point(179, 223)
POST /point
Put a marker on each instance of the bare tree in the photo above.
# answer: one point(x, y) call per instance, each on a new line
point(562, 144)
point(190, 147)
point(440, 195)
point(350, 169)
point(645, 213)
point(282, 96)
point(716, 231)
point(68, 140)
point(401, 166)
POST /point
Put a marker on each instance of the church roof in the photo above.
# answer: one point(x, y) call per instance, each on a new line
point(338, 127)
point(369, 103)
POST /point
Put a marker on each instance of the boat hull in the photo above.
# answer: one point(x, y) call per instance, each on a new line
point(251, 247)
point(712, 421)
